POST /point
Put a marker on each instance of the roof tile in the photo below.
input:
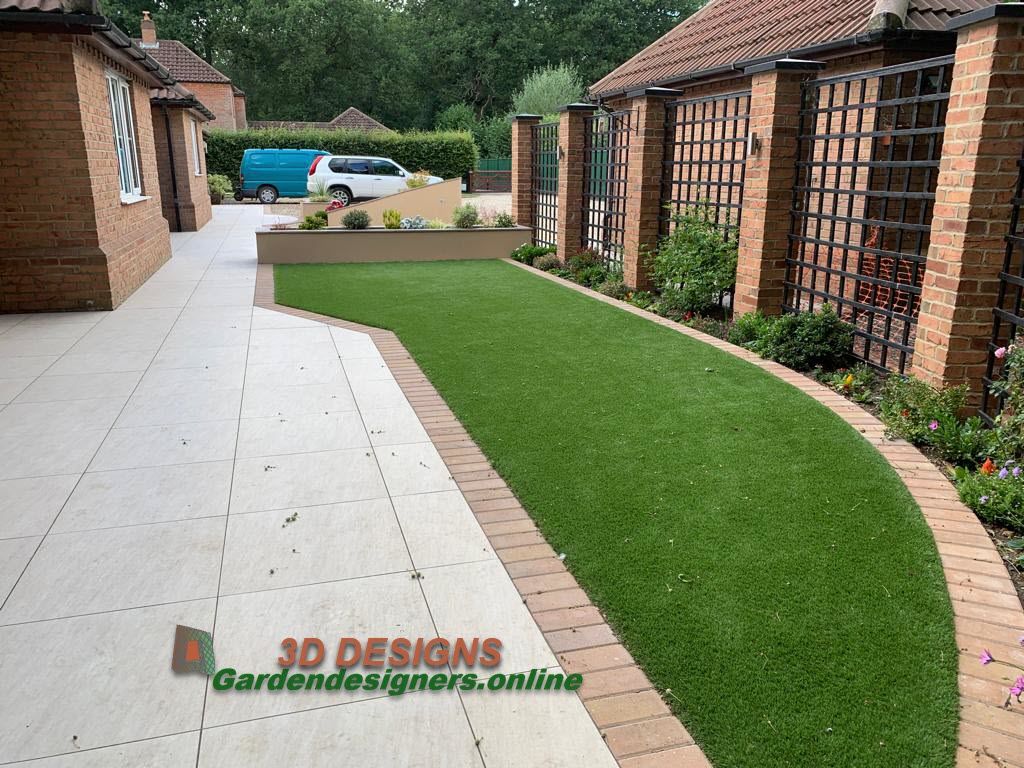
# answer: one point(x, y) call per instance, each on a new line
point(185, 65)
point(726, 32)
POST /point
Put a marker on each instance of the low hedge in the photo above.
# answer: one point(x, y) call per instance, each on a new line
point(448, 154)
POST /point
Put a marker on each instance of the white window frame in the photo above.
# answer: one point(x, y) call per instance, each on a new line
point(195, 147)
point(119, 96)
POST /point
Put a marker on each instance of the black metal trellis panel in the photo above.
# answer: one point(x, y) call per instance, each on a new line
point(1008, 311)
point(544, 191)
point(867, 165)
point(705, 156)
point(605, 167)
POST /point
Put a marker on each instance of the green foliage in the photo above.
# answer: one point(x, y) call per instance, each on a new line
point(712, 326)
point(614, 287)
point(806, 340)
point(503, 220)
point(748, 328)
point(219, 184)
point(356, 220)
point(1009, 385)
point(457, 117)
point(696, 260)
point(493, 136)
point(642, 299)
point(465, 216)
point(527, 253)
point(414, 222)
point(546, 262)
point(437, 224)
point(321, 215)
point(996, 496)
point(313, 222)
point(321, 192)
point(910, 408)
point(547, 89)
point(418, 179)
point(587, 268)
point(391, 218)
point(450, 155)
point(858, 383)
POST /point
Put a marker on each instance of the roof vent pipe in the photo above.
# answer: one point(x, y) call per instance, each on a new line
point(888, 15)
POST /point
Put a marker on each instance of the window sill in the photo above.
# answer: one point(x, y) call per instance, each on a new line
point(132, 199)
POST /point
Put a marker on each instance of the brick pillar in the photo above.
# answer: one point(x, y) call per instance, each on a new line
point(643, 181)
point(522, 168)
point(977, 176)
point(768, 183)
point(571, 132)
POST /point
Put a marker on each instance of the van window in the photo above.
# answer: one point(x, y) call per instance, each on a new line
point(358, 166)
point(384, 168)
point(338, 165)
point(262, 160)
point(294, 160)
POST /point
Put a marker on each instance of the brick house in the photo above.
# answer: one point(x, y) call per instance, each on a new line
point(178, 117)
point(211, 86)
point(351, 119)
point(81, 216)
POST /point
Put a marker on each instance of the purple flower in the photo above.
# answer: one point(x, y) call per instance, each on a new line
point(986, 657)
point(1003, 473)
point(933, 425)
point(1016, 471)
point(1018, 687)
point(1000, 353)
point(983, 499)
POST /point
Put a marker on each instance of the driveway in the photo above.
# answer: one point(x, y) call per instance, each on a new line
point(190, 459)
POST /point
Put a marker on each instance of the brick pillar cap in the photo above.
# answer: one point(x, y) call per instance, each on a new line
point(787, 65)
point(1005, 11)
point(527, 116)
point(661, 93)
point(578, 106)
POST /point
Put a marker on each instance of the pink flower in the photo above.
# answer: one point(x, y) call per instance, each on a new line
point(1000, 353)
point(933, 425)
point(1018, 688)
point(986, 657)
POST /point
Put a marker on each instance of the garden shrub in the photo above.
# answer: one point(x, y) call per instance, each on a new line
point(673, 304)
point(437, 224)
point(503, 221)
point(546, 262)
point(313, 222)
point(416, 222)
point(356, 220)
point(749, 328)
point(218, 184)
point(451, 154)
point(321, 192)
point(527, 253)
point(806, 340)
point(587, 268)
point(858, 383)
point(418, 179)
point(641, 299)
point(613, 286)
point(391, 218)
point(465, 216)
point(709, 325)
point(695, 259)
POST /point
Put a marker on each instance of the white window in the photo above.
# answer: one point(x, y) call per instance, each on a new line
point(119, 93)
point(195, 148)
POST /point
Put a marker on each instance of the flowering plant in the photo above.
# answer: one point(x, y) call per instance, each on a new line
point(995, 493)
point(1017, 689)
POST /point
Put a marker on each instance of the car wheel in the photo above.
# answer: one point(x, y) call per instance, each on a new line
point(266, 195)
point(342, 194)
point(238, 195)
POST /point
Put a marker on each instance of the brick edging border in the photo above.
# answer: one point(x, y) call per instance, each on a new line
point(986, 609)
point(636, 723)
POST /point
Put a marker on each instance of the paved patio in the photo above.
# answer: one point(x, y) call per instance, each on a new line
point(191, 459)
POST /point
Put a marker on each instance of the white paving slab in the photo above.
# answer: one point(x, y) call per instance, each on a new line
point(190, 459)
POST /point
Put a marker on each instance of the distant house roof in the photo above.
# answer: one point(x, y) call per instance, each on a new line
point(728, 32)
point(182, 62)
point(357, 120)
point(351, 119)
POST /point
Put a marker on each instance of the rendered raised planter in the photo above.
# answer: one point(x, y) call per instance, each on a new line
point(351, 246)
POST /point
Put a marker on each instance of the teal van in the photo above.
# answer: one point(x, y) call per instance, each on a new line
point(268, 174)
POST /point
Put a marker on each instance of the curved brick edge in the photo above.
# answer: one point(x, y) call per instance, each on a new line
point(987, 612)
point(637, 725)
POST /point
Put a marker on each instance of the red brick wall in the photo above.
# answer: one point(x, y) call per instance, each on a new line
point(193, 196)
point(219, 99)
point(522, 170)
point(134, 237)
point(50, 256)
point(241, 122)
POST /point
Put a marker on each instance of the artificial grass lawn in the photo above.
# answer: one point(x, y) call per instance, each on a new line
point(756, 555)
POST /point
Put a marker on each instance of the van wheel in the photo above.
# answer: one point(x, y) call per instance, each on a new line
point(343, 194)
point(238, 195)
point(266, 195)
